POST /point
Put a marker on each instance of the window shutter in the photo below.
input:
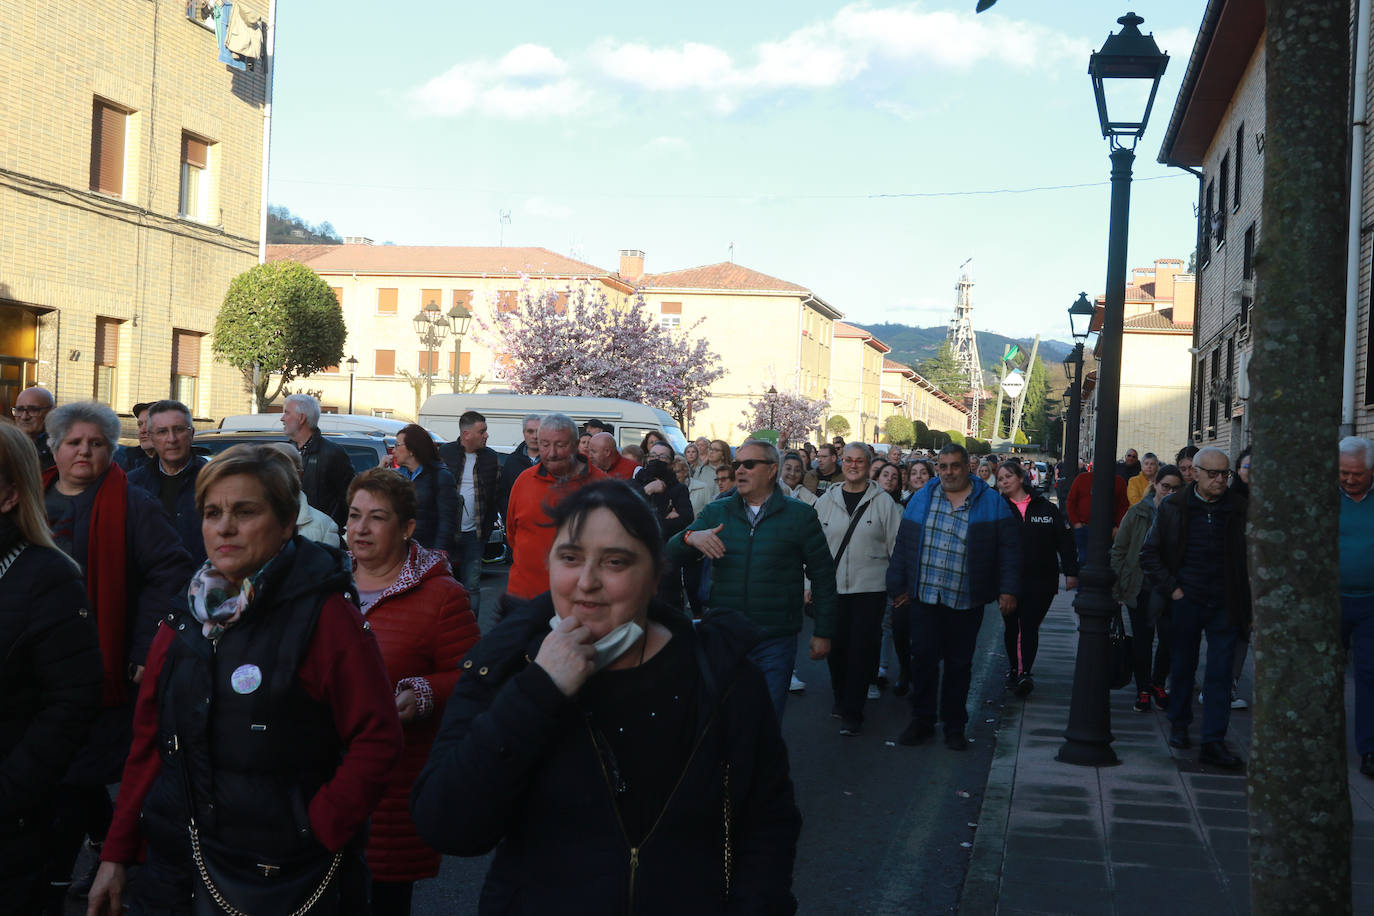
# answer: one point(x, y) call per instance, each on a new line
point(107, 149)
point(338, 294)
point(386, 361)
point(464, 364)
point(193, 151)
point(106, 342)
point(386, 302)
point(432, 295)
point(507, 300)
point(671, 308)
point(428, 362)
point(463, 297)
point(185, 353)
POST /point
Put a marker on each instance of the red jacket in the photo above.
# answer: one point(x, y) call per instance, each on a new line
point(527, 527)
point(341, 669)
point(623, 469)
point(1080, 499)
point(424, 628)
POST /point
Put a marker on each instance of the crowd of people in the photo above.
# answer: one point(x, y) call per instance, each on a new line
point(288, 669)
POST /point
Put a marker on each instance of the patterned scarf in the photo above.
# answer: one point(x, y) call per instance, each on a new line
point(216, 603)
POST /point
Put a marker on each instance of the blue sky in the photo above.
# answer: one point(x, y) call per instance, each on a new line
point(680, 129)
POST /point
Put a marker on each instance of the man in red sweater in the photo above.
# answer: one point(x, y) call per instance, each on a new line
point(607, 458)
point(535, 491)
point(1080, 502)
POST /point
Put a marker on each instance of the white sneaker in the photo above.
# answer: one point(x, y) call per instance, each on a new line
point(874, 693)
point(1239, 703)
point(797, 685)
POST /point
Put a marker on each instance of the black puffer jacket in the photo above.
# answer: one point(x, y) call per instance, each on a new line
point(1047, 547)
point(1161, 557)
point(436, 507)
point(515, 767)
point(50, 680)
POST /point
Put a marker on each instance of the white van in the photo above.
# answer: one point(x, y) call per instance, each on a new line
point(358, 424)
point(506, 413)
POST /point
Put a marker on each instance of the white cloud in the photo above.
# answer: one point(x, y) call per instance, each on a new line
point(531, 61)
point(529, 81)
point(693, 66)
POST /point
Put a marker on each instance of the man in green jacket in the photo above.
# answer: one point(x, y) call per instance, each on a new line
point(762, 543)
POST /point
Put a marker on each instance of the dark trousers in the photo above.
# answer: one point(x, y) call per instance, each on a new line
point(1357, 630)
point(854, 650)
point(949, 635)
point(1080, 540)
point(1142, 640)
point(691, 584)
point(78, 812)
point(1190, 620)
point(392, 898)
point(1021, 631)
point(901, 642)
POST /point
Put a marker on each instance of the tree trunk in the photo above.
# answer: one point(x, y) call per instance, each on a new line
point(1300, 820)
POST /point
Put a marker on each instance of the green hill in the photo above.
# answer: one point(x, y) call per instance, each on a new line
point(912, 345)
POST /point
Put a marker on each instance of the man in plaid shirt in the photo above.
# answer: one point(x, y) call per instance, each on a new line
point(958, 549)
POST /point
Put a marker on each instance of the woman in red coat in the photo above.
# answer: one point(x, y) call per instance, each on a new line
point(424, 627)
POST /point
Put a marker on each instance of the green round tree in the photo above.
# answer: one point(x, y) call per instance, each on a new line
point(920, 435)
point(837, 426)
point(280, 319)
point(1019, 438)
point(900, 431)
point(953, 435)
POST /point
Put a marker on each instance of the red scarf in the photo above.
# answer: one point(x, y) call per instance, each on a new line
point(106, 578)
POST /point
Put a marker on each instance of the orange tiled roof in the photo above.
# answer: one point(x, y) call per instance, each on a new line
point(723, 276)
point(1152, 321)
point(436, 259)
point(891, 398)
point(844, 329)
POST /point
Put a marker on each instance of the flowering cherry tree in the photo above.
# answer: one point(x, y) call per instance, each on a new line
point(577, 342)
point(793, 415)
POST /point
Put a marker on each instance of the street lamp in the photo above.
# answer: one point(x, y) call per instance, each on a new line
point(1080, 325)
point(460, 318)
point(431, 327)
point(772, 399)
point(352, 364)
point(1125, 77)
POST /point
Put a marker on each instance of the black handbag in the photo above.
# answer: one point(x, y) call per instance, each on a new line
point(1120, 663)
point(232, 882)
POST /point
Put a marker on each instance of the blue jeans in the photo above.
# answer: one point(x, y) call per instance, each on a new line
point(1357, 632)
point(467, 567)
point(1080, 541)
point(1190, 619)
point(776, 658)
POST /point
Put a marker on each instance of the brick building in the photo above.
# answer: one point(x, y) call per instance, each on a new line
point(130, 194)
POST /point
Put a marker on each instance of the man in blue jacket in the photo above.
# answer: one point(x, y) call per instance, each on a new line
point(958, 548)
point(171, 476)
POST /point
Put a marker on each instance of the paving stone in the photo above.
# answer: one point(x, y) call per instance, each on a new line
point(1139, 832)
point(1147, 795)
point(1082, 828)
point(1233, 801)
point(1032, 869)
point(1141, 889)
point(1218, 817)
point(1168, 814)
point(1076, 848)
point(1072, 807)
point(1031, 789)
point(1160, 855)
point(1221, 838)
point(1053, 898)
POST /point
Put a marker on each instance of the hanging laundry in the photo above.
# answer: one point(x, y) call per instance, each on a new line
point(243, 38)
point(223, 13)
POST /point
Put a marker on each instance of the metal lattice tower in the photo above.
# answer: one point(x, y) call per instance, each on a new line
point(963, 344)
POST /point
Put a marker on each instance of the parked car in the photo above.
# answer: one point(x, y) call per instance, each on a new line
point(506, 414)
point(356, 424)
point(364, 451)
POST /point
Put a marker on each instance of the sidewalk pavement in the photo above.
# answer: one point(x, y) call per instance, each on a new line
point(1157, 834)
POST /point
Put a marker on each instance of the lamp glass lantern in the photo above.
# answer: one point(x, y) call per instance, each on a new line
point(352, 363)
point(1081, 317)
point(461, 318)
point(1126, 75)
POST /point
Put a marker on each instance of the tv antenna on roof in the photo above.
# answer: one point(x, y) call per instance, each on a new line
point(732, 252)
point(504, 216)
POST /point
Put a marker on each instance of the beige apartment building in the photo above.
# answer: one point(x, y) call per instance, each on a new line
point(856, 387)
point(381, 288)
point(906, 393)
point(130, 194)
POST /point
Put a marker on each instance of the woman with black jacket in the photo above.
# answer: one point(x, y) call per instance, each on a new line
point(1047, 546)
point(50, 678)
point(616, 757)
point(436, 492)
point(672, 504)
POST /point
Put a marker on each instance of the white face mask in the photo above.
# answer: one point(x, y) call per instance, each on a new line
point(614, 644)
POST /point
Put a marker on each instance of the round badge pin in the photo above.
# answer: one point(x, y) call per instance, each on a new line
point(246, 678)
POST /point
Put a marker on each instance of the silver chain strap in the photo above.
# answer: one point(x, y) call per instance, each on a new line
point(729, 855)
point(8, 560)
point(228, 907)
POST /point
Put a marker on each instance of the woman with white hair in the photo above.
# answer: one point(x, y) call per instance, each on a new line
point(135, 569)
point(50, 679)
point(311, 523)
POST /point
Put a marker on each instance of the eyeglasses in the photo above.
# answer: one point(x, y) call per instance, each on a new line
point(27, 411)
point(750, 463)
point(856, 460)
point(1222, 474)
point(172, 432)
point(1166, 487)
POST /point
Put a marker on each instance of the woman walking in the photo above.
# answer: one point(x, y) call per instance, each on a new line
point(1046, 547)
point(860, 522)
point(1142, 483)
point(424, 627)
point(611, 752)
point(1144, 605)
point(436, 492)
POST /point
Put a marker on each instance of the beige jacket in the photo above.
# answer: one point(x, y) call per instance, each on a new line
point(863, 568)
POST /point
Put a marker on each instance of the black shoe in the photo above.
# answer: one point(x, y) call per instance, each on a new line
point(1011, 679)
point(901, 688)
point(851, 729)
point(916, 733)
point(835, 711)
point(1367, 765)
point(956, 741)
point(1024, 685)
point(1161, 697)
point(1142, 701)
point(1218, 754)
point(1179, 738)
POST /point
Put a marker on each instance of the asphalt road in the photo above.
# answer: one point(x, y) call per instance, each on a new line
point(883, 824)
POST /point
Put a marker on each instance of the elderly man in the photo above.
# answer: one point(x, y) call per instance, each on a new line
point(476, 468)
point(1195, 553)
point(537, 490)
point(762, 544)
point(30, 411)
point(171, 478)
point(1357, 585)
point(328, 472)
point(518, 461)
point(958, 548)
point(607, 458)
point(1129, 466)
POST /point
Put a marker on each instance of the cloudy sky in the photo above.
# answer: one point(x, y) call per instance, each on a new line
point(865, 150)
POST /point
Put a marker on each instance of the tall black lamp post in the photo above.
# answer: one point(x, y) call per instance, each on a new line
point(772, 402)
point(1125, 76)
point(431, 327)
point(1080, 324)
point(352, 363)
point(460, 318)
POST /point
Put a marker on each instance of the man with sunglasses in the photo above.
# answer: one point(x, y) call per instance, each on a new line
point(30, 411)
point(762, 544)
point(1195, 554)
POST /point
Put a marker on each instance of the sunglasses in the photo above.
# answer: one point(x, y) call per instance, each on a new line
point(750, 463)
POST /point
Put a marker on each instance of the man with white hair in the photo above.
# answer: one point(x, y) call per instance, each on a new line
point(1357, 585)
point(30, 411)
point(327, 470)
point(1195, 553)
